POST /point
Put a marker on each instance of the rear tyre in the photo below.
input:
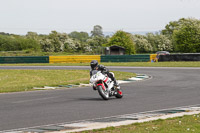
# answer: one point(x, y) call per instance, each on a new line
point(119, 93)
point(103, 93)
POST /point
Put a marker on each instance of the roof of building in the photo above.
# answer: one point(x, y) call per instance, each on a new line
point(115, 46)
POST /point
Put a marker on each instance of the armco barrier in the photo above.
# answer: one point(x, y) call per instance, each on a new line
point(180, 57)
point(24, 59)
point(74, 59)
point(125, 58)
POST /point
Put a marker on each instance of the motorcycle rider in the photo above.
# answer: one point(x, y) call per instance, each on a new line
point(95, 66)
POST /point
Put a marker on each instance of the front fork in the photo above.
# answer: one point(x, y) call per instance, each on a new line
point(112, 91)
point(99, 83)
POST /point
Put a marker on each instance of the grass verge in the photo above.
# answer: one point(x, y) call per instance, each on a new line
point(185, 124)
point(131, 64)
point(25, 80)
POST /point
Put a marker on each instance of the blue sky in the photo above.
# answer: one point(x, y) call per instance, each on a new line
point(43, 16)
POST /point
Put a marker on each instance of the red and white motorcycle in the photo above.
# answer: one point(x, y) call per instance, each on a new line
point(105, 85)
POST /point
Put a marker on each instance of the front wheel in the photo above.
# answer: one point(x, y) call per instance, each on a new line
point(119, 93)
point(103, 92)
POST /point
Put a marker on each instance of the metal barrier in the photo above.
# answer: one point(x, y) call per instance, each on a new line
point(24, 59)
point(74, 59)
point(125, 58)
point(77, 59)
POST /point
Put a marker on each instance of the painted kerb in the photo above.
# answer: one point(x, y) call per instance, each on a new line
point(74, 59)
point(125, 58)
point(24, 59)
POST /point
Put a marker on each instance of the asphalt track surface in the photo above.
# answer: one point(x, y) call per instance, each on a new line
point(168, 88)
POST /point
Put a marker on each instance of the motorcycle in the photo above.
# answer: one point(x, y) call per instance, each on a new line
point(105, 85)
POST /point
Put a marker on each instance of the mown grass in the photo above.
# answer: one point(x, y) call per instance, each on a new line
point(37, 53)
point(128, 64)
point(156, 64)
point(25, 80)
point(185, 124)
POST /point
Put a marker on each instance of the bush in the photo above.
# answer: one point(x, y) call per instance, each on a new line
point(123, 39)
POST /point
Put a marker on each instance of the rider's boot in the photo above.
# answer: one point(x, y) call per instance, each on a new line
point(94, 88)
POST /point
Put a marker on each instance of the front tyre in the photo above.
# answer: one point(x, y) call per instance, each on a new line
point(103, 92)
point(119, 93)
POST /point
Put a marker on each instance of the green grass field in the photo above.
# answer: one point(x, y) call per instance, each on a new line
point(185, 124)
point(128, 64)
point(25, 80)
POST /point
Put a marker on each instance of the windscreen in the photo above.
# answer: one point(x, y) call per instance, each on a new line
point(94, 72)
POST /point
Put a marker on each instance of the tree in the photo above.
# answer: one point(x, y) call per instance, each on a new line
point(164, 43)
point(32, 35)
point(187, 36)
point(54, 42)
point(16, 43)
point(160, 42)
point(28, 44)
point(71, 45)
point(8, 43)
point(96, 44)
point(76, 46)
point(3, 33)
point(97, 41)
point(81, 36)
point(175, 26)
point(152, 40)
point(184, 34)
point(46, 45)
point(57, 41)
point(142, 44)
point(97, 31)
point(123, 39)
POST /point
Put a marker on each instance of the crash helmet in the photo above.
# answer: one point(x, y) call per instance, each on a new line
point(93, 64)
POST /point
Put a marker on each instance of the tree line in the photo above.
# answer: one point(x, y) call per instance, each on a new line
point(177, 36)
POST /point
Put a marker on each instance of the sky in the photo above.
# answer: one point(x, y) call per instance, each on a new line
point(44, 16)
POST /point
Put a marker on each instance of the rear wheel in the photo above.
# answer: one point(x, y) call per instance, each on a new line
point(103, 92)
point(119, 93)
